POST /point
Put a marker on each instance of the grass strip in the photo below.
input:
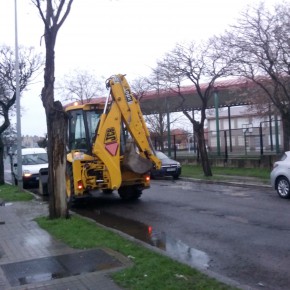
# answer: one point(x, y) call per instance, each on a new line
point(196, 171)
point(10, 193)
point(150, 270)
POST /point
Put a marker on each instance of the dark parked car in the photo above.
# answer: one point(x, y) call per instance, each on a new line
point(280, 176)
point(169, 167)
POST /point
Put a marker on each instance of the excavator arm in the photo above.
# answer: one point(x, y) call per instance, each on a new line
point(132, 116)
point(124, 107)
point(107, 144)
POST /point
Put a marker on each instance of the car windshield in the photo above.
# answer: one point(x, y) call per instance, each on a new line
point(284, 157)
point(32, 159)
point(161, 155)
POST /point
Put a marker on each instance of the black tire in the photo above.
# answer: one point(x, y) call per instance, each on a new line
point(15, 180)
point(283, 187)
point(70, 192)
point(175, 176)
point(130, 192)
point(107, 191)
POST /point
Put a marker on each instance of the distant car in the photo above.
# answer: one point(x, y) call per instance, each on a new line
point(169, 167)
point(280, 176)
point(33, 159)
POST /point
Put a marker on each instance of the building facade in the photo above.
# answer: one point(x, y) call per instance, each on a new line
point(241, 130)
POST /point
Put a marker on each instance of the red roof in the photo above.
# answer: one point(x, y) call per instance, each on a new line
point(186, 90)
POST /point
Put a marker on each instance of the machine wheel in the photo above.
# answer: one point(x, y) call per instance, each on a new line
point(69, 184)
point(283, 187)
point(107, 191)
point(129, 192)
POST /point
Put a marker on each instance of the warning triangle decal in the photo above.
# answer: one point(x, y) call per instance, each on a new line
point(112, 148)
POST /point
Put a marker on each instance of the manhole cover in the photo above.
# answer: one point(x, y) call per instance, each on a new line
point(49, 268)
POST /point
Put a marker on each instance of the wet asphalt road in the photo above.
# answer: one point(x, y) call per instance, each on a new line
point(243, 232)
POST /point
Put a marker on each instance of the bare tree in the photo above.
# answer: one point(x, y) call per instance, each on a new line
point(157, 122)
point(42, 143)
point(259, 47)
point(140, 87)
point(198, 64)
point(53, 14)
point(81, 86)
point(9, 137)
point(29, 63)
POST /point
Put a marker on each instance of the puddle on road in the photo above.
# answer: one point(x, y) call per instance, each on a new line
point(175, 248)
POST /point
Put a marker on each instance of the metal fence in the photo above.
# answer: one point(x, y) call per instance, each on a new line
point(249, 141)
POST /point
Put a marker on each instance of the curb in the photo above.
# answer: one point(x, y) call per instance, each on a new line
point(232, 183)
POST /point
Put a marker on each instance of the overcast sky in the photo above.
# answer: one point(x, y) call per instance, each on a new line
point(113, 36)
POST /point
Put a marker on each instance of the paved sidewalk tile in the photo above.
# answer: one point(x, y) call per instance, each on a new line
point(21, 240)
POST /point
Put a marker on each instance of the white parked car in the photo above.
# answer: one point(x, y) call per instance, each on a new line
point(280, 176)
point(33, 159)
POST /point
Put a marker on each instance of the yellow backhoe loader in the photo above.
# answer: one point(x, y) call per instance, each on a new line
point(109, 146)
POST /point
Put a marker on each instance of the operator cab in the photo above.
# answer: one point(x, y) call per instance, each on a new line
point(82, 128)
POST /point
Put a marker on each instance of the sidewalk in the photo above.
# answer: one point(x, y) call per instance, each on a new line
point(27, 251)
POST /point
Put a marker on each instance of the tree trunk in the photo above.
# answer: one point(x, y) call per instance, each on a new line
point(286, 131)
point(53, 14)
point(56, 130)
point(198, 128)
point(56, 134)
point(2, 180)
point(202, 150)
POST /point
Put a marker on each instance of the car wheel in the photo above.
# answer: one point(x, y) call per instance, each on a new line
point(175, 176)
point(283, 187)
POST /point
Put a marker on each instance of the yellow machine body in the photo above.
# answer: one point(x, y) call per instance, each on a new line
point(109, 145)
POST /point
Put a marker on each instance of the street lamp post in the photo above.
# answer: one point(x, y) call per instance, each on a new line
point(18, 119)
point(216, 104)
point(168, 127)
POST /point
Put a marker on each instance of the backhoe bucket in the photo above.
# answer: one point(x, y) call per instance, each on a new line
point(134, 162)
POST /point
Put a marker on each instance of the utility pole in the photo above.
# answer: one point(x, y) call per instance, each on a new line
point(168, 128)
point(18, 118)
